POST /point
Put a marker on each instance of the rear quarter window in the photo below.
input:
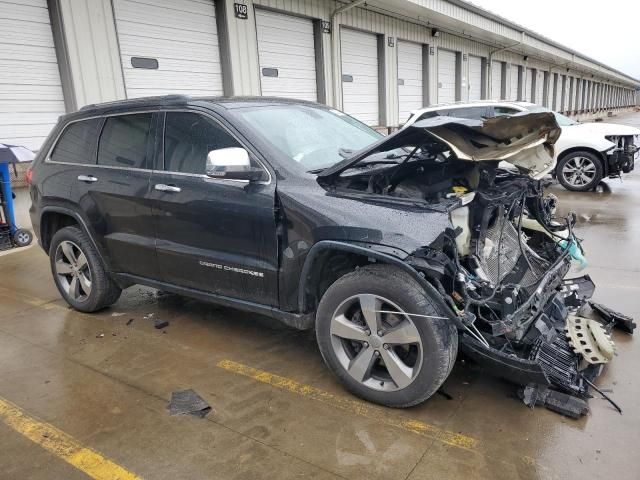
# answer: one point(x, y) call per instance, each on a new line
point(77, 144)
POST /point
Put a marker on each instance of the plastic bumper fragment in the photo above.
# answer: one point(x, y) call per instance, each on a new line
point(616, 319)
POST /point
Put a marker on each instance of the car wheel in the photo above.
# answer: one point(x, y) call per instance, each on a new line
point(579, 171)
point(22, 237)
point(370, 342)
point(79, 272)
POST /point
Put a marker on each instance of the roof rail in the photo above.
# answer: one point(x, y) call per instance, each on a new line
point(159, 98)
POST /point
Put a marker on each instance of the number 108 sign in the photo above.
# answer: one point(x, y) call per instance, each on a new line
point(241, 11)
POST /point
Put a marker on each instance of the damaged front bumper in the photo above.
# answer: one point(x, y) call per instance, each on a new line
point(568, 345)
point(622, 157)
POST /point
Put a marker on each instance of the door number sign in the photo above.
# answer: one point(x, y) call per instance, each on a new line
point(241, 11)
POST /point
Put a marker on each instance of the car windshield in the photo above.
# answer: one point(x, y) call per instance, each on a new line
point(560, 119)
point(316, 138)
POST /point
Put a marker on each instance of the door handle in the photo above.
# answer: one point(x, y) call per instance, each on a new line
point(87, 178)
point(167, 188)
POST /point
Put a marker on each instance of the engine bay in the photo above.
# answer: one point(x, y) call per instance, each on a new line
point(501, 268)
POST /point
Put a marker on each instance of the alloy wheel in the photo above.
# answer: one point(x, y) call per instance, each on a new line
point(376, 342)
point(579, 171)
point(72, 271)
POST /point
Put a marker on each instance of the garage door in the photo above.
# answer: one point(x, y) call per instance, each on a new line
point(539, 87)
point(475, 78)
point(513, 81)
point(446, 76)
point(31, 92)
point(168, 47)
point(410, 71)
point(558, 106)
point(528, 89)
point(360, 75)
point(496, 80)
point(287, 57)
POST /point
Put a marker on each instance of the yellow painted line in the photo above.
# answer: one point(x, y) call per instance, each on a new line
point(350, 405)
point(62, 445)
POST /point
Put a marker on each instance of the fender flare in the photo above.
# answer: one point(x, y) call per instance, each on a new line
point(81, 222)
point(369, 251)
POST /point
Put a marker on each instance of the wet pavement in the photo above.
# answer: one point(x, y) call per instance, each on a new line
point(106, 379)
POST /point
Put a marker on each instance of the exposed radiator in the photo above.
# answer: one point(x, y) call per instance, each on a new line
point(498, 264)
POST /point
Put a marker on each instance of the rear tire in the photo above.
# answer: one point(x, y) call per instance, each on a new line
point(79, 273)
point(407, 358)
point(579, 171)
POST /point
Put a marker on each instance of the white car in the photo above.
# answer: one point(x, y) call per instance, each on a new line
point(585, 153)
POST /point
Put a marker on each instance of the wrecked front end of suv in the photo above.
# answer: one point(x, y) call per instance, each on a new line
point(502, 264)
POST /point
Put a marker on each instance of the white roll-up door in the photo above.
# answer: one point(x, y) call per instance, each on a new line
point(513, 81)
point(496, 80)
point(359, 53)
point(475, 77)
point(410, 86)
point(30, 89)
point(286, 52)
point(539, 87)
point(446, 76)
point(559, 94)
point(174, 44)
point(528, 85)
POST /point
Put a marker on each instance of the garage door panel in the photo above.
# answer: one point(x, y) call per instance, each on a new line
point(513, 85)
point(359, 57)
point(283, 51)
point(286, 43)
point(175, 80)
point(181, 35)
point(496, 80)
point(475, 77)
point(174, 15)
point(165, 34)
point(13, 30)
point(28, 118)
point(31, 96)
point(32, 74)
point(29, 105)
point(169, 50)
point(33, 13)
point(446, 76)
point(410, 95)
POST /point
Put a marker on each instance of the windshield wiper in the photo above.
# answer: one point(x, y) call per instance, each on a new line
point(345, 152)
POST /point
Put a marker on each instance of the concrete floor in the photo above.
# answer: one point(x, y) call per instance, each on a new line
point(110, 392)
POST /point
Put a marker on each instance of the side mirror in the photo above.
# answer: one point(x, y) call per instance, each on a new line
point(232, 163)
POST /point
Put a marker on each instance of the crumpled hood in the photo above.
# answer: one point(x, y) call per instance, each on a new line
point(524, 140)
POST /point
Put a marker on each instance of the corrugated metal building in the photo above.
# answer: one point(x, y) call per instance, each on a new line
point(377, 61)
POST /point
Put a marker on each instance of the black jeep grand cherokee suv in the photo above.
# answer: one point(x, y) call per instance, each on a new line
point(395, 249)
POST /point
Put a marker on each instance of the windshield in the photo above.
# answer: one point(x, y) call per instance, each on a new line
point(313, 137)
point(560, 119)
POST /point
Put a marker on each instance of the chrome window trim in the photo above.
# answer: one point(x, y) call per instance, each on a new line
point(203, 175)
point(153, 170)
point(48, 159)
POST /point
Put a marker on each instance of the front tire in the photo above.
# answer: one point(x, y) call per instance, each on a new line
point(579, 171)
point(79, 273)
point(376, 350)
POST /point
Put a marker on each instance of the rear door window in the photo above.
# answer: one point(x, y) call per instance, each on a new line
point(474, 113)
point(188, 138)
point(77, 144)
point(124, 141)
point(502, 111)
